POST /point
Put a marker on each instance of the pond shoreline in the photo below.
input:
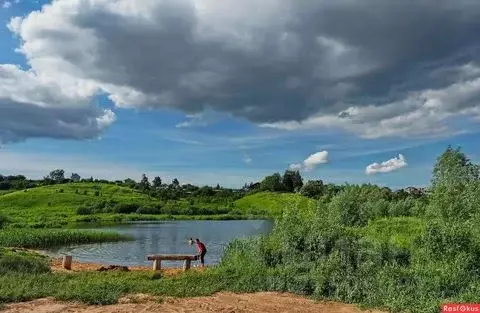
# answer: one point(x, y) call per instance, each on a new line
point(160, 237)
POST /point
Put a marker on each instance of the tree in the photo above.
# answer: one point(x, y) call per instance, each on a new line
point(175, 183)
point(157, 182)
point(313, 189)
point(75, 177)
point(272, 183)
point(130, 182)
point(453, 167)
point(144, 183)
point(57, 175)
point(292, 180)
point(455, 188)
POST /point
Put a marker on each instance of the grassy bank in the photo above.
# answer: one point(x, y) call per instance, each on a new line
point(45, 238)
point(272, 204)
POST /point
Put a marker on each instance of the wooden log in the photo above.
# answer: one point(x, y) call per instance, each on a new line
point(157, 265)
point(67, 262)
point(186, 265)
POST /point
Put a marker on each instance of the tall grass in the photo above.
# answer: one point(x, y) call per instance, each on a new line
point(45, 238)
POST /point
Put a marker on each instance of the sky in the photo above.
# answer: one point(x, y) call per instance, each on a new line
point(229, 91)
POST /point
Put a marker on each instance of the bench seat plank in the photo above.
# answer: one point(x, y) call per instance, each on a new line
point(172, 257)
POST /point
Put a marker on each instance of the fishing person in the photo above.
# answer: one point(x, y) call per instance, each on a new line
point(202, 250)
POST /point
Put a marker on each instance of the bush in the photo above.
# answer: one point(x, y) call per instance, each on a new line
point(313, 189)
point(83, 210)
point(3, 221)
point(126, 208)
point(148, 210)
point(402, 207)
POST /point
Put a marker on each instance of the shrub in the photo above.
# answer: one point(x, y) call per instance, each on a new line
point(313, 189)
point(83, 210)
point(148, 210)
point(401, 207)
point(125, 208)
point(3, 221)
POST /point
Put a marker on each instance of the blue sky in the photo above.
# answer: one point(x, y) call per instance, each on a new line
point(231, 142)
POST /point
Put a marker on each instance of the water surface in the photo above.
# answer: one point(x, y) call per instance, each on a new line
point(168, 237)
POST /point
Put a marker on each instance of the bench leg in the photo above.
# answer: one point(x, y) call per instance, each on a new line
point(157, 265)
point(186, 265)
point(67, 262)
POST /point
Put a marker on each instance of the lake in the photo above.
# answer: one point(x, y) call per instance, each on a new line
point(169, 237)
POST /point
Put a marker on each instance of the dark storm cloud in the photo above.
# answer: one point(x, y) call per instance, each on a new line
point(274, 62)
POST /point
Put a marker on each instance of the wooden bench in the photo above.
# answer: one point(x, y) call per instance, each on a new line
point(157, 260)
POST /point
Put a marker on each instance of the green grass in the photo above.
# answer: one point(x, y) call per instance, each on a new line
point(45, 238)
point(56, 205)
point(23, 262)
point(20, 284)
point(104, 288)
point(398, 231)
point(269, 203)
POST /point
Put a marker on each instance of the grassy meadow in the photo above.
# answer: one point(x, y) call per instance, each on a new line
point(363, 244)
point(60, 205)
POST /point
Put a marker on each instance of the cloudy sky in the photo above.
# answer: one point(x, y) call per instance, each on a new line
point(228, 91)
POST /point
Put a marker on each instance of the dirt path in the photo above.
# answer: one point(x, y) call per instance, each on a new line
point(265, 302)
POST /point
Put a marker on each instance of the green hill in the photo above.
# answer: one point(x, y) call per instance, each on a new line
point(272, 204)
point(58, 203)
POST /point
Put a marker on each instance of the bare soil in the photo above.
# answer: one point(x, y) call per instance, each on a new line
point(263, 302)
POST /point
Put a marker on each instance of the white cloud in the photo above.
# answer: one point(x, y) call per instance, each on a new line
point(39, 106)
point(247, 159)
point(6, 4)
point(200, 119)
point(387, 166)
point(421, 114)
point(315, 159)
point(279, 63)
point(296, 166)
point(311, 162)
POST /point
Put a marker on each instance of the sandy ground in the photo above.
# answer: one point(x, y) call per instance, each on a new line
point(264, 302)
point(56, 266)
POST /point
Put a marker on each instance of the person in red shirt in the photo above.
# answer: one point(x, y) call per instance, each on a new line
point(202, 250)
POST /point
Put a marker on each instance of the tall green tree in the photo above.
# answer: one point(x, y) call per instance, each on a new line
point(75, 177)
point(175, 183)
point(157, 182)
point(313, 189)
point(292, 180)
point(57, 175)
point(272, 183)
point(144, 183)
point(455, 191)
point(453, 167)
